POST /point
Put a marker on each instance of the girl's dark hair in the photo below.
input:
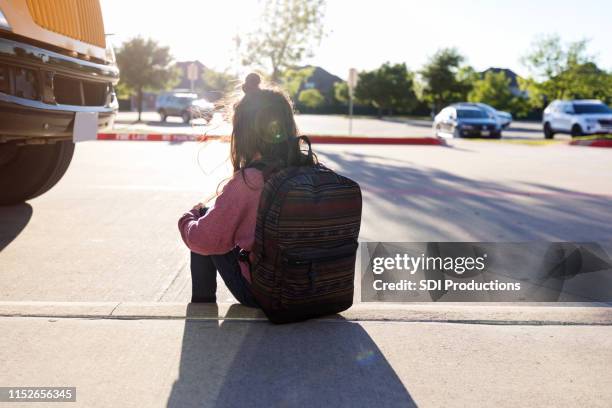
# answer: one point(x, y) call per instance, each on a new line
point(263, 123)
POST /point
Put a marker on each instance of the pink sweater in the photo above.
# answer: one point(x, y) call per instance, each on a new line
point(229, 222)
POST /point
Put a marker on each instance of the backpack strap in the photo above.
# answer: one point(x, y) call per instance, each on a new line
point(307, 140)
point(257, 164)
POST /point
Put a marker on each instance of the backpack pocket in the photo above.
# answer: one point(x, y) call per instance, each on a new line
point(318, 275)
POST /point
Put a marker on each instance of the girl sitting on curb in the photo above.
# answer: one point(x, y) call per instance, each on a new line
point(264, 131)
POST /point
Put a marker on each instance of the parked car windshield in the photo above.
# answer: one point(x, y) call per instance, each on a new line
point(471, 113)
point(582, 108)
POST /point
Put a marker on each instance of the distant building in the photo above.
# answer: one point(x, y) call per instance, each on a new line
point(185, 82)
point(321, 80)
point(510, 74)
point(149, 98)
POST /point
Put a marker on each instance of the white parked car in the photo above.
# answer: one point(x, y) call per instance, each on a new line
point(577, 117)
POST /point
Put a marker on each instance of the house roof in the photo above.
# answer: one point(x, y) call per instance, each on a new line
point(513, 76)
point(322, 79)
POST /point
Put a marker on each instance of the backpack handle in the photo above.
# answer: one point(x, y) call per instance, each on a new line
point(307, 140)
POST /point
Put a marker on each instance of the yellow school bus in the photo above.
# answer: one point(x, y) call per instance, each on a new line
point(57, 74)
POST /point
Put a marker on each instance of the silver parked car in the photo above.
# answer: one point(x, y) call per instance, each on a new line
point(186, 105)
point(503, 118)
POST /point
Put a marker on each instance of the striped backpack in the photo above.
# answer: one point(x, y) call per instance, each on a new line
point(303, 262)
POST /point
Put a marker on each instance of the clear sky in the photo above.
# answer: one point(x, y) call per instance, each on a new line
point(365, 33)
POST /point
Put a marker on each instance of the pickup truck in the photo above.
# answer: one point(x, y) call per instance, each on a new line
point(57, 78)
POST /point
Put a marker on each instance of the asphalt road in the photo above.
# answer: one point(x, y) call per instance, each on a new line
point(108, 231)
point(314, 124)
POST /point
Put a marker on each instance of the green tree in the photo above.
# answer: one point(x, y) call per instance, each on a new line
point(145, 65)
point(289, 31)
point(341, 92)
point(587, 81)
point(293, 78)
point(493, 89)
point(445, 80)
point(311, 98)
point(219, 82)
point(561, 71)
point(388, 87)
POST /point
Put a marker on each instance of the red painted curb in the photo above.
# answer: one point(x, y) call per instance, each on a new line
point(592, 143)
point(376, 140)
point(319, 139)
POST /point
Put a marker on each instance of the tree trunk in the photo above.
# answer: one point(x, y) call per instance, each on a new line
point(275, 75)
point(139, 103)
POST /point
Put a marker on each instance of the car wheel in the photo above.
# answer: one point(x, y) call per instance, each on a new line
point(548, 132)
point(31, 170)
point(186, 117)
point(436, 131)
point(496, 135)
point(576, 131)
point(163, 115)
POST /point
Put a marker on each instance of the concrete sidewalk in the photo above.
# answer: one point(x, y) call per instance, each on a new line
point(383, 355)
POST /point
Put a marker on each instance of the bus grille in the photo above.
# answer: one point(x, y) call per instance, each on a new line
point(78, 19)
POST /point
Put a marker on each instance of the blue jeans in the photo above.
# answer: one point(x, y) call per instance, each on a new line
point(204, 270)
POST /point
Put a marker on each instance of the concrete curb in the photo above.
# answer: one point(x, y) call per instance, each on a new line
point(507, 314)
point(318, 139)
point(592, 143)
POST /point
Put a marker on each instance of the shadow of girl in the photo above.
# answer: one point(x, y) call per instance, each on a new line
point(251, 363)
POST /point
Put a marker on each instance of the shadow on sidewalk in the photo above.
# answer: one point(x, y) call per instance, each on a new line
point(242, 363)
point(442, 206)
point(13, 220)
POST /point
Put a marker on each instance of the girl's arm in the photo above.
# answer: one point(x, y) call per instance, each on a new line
point(215, 232)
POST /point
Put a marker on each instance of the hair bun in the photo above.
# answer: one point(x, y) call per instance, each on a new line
point(251, 83)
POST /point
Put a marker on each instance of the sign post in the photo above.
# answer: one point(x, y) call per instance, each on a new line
point(352, 82)
point(192, 74)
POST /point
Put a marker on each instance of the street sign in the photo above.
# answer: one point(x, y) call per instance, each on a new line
point(352, 78)
point(192, 72)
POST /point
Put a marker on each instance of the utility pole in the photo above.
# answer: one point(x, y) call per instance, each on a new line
point(352, 82)
point(192, 74)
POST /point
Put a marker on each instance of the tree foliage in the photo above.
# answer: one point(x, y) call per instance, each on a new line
point(311, 98)
point(220, 82)
point(293, 78)
point(289, 31)
point(494, 89)
point(341, 92)
point(145, 65)
point(445, 80)
point(564, 71)
point(390, 87)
